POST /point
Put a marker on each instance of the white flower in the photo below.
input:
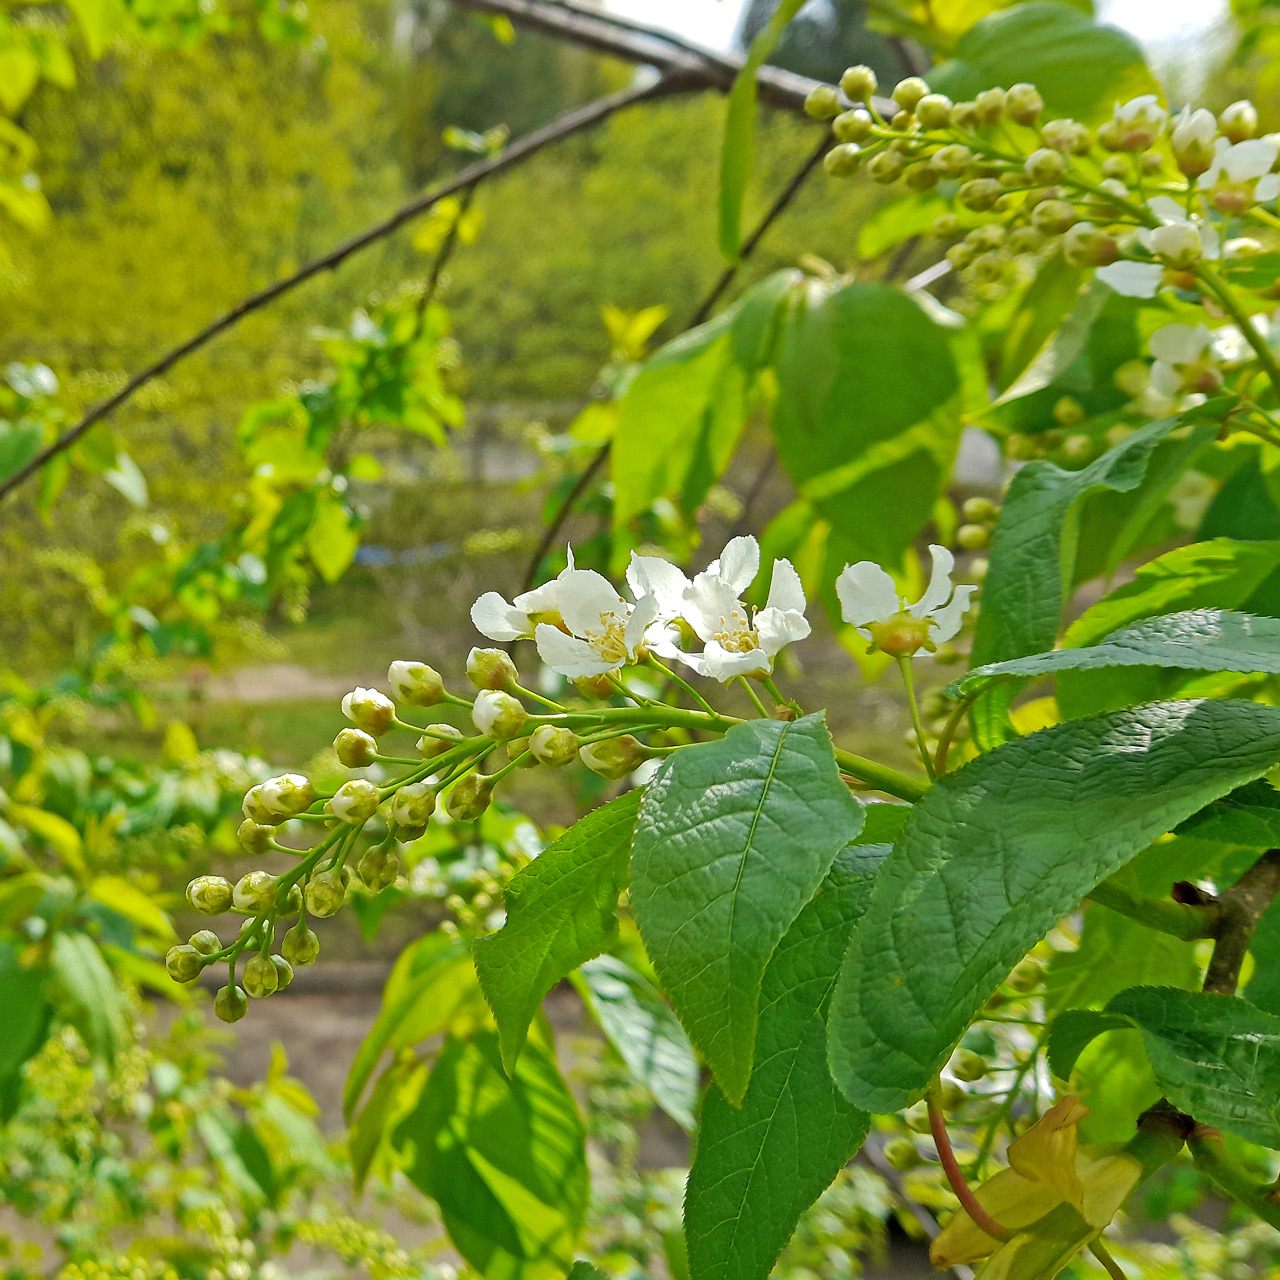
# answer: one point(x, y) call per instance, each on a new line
point(1179, 240)
point(1140, 121)
point(869, 602)
point(1193, 140)
point(1240, 174)
point(494, 617)
point(1185, 360)
point(601, 630)
point(734, 642)
point(1230, 346)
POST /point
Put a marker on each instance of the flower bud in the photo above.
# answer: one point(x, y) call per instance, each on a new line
point(980, 194)
point(951, 161)
point(1193, 137)
point(945, 225)
point(230, 1004)
point(1077, 448)
point(1053, 217)
point(1068, 411)
point(597, 687)
point(327, 891)
point(916, 1118)
point(1136, 124)
point(964, 115)
point(1085, 245)
point(1025, 240)
point(356, 801)
point(934, 111)
point(284, 972)
point(1242, 247)
point(355, 748)
point(823, 102)
point(498, 715)
point(951, 1095)
point(885, 167)
point(980, 511)
point(260, 978)
point(991, 235)
point(412, 807)
point(1239, 121)
point(254, 892)
point(1067, 136)
point(908, 93)
point(209, 895)
point(844, 160)
point(1132, 378)
point(921, 176)
point(183, 963)
point(553, 747)
point(990, 105)
point(1151, 161)
point(254, 837)
point(287, 795)
point(1116, 167)
point(960, 255)
point(973, 537)
point(300, 945)
point(968, 1066)
point(1045, 166)
point(469, 798)
point(990, 267)
point(369, 710)
point(614, 757)
point(206, 942)
point(490, 669)
point(1176, 243)
point(1023, 104)
point(415, 684)
point(518, 752)
point(378, 868)
point(901, 1154)
point(256, 809)
point(859, 83)
point(438, 739)
point(903, 120)
point(852, 126)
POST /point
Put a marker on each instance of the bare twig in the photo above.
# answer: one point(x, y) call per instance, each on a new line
point(1239, 909)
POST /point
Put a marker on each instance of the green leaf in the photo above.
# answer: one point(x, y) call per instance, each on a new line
point(561, 911)
point(1197, 640)
point(732, 840)
point(332, 539)
point(126, 899)
point(432, 988)
point(758, 1167)
point(88, 995)
point(861, 417)
point(1249, 816)
point(502, 1156)
point(1081, 69)
point(1263, 990)
point(1216, 1057)
point(99, 20)
point(1033, 554)
point(18, 445)
point(25, 1015)
point(644, 1031)
point(996, 852)
point(894, 221)
point(738, 150)
point(585, 1271)
point(1044, 323)
point(393, 1095)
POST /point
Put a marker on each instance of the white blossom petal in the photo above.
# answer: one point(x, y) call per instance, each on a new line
point(710, 606)
point(1167, 209)
point(541, 599)
point(1132, 279)
point(568, 655)
point(1180, 343)
point(653, 576)
point(780, 627)
point(1267, 188)
point(938, 592)
point(586, 599)
point(785, 588)
point(948, 619)
point(495, 618)
point(739, 563)
point(1250, 159)
point(643, 616)
point(718, 663)
point(1166, 381)
point(867, 593)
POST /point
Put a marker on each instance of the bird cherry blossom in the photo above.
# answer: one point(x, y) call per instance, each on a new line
point(869, 602)
point(1179, 242)
point(599, 631)
point(737, 642)
point(1240, 174)
point(1186, 361)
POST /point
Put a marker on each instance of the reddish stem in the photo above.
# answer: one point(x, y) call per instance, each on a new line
point(951, 1167)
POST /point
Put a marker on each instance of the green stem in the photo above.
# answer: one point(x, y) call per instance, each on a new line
point(904, 665)
point(1210, 1155)
point(537, 697)
point(1109, 1264)
point(676, 678)
point(1222, 291)
point(1184, 920)
point(949, 732)
point(753, 695)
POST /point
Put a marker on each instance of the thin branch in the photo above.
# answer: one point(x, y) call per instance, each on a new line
point(551, 533)
point(1210, 1155)
point(563, 126)
point(1241, 907)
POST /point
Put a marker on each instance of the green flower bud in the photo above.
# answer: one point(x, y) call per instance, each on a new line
point(1239, 121)
point(518, 751)
point(209, 895)
point(859, 83)
point(968, 1066)
point(885, 167)
point(1068, 411)
point(300, 945)
point(960, 255)
point(260, 977)
point(1023, 104)
point(990, 104)
point(964, 115)
point(934, 111)
point(916, 1118)
point(355, 748)
point(980, 511)
point(908, 93)
point(438, 739)
point(287, 795)
point(490, 669)
point(469, 798)
point(852, 126)
point(951, 1095)
point(230, 1004)
point(184, 963)
point(973, 537)
point(256, 809)
point(206, 942)
point(1025, 240)
point(823, 102)
point(284, 972)
point(1045, 166)
point(991, 235)
point(369, 710)
point(921, 176)
point(255, 837)
point(1085, 245)
point(1053, 217)
point(945, 225)
point(378, 867)
point(413, 806)
point(990, 267)
point(901, 1154)
point(326, 892)
point(1067, 137)
point(1077, 448)
point(356, 801)
point(553, 747)
point(415, 684)
point(951, 161)
point(497, 714)
point(843, 161)
point(596, 687)
point(1132, 378)
point(255, 891)
point(979, 194)
point(614, 757)
point(1111, 136)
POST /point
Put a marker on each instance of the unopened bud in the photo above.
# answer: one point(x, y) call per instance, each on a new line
point(1025, 240)
point(614, 757)
point(183, 963)
point(256, 809)
point(254, 837)
point(980, 511)
point(951, 1095)
point(413, 806)
point(1116, 167)
point(980, 194)
point(968, 1066)
point(921, 176)
point(1053, 217)
point(300, 945)
point(378, 868)
point(356, 801)
point(490, 669)
point(859, 83)
point(1177, 243)
point(1045, 166)
point(284, 972)
point(964, 115)
point(844, 160)
point(991, 235)
point(598, 687)
point(260, 978)
point(1077, 448)
point(1239, 121)
point(327, 891)
point(288, 795)
point(1085, 245)
point(885, 167)
point(951, 161)
point(230, 1004)
point(961, 255)
point(1068, 411)
point(210, 895)
point(901, 1154)
point(934, 111)
point(907, 93)
point(553, 747)
point(852, 126)
point(355, 748)
point(206, 942)
point(498, 715)
point(1193, 138)
point(415, 683)
point(990, 105)
point(369, 710)
point(1023, 104)
point(973, 537)
point(823, 102)
point(990, 267)
point(255, 891)
point(469, 798)
point(437, 739)
point(1067, 136)
point(916, 1118)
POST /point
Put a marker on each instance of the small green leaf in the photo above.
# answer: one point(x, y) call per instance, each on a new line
point(87, 994)
point(332, 540)
point(1249, 816)
point(561, 911)
point(585, 1271)
point(1043, 313)
point(126, 899)
point(758, 1167)
point(732, 840)
point(24, 1011)
point(644, 1031)
point(1073, 1030)
point(996, 852)
point(1061, 347)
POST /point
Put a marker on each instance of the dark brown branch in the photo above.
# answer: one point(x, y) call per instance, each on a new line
point(1239, 909)
point(563, 126)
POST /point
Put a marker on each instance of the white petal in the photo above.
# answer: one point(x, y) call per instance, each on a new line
point(1267, 188)
point(643, 616)
point(1179, 343)
point(586, 598)
point(1167, 209)
point(1132, 279)
point(495, 618)
point(785, 588)
point(947, 620)
point(711, 605)
point(719, 664)
point(867, 594)
point(779, 627)
point(567, 654)
point(541, 599)
point(740, 562)
point(1165, 379)
point(938, 592)
point(1210, 245)
point(653, 576)
point(663, 640)
point(1249, 159)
